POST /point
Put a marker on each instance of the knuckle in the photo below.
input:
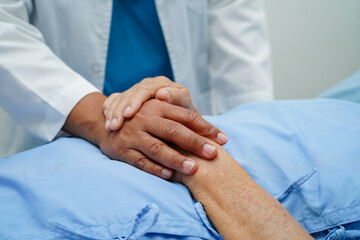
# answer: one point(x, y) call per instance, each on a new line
point(153, 103)
point(210, 129)
point(148, 90)
point(186, 91)
point(136, 85)
point(194, 140)
point(192, 116)
point(177, 161)
point(125, 95)
point(115, 97)
point(171, 84)
point(141, 162)
point(156, 148)
point(145, 81)
point(141, 116)
point(127, 132)
point(120, 151)
point(162, 78)
point(172, 129)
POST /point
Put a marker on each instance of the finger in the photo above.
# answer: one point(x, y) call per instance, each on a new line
point(142, 162)
point(183, 137)
point(107, 102)
point(195, 109)
point(127, 104)
point(108, 109)
point(114, 117)
point(144, 91)
point(176, 96)
point(165, 155)
point(140, 95)
point(117, 118)
point(195, 122)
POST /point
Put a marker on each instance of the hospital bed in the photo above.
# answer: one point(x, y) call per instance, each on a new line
point(303, 152)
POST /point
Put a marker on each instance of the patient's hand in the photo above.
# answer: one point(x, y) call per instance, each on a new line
point(119, 106)
point(237, 206)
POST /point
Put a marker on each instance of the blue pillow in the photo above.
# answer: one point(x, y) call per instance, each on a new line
point(68, 189)
point(305, 153)
point(348, 89)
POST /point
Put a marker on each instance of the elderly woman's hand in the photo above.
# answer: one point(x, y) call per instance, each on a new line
point(119, 106)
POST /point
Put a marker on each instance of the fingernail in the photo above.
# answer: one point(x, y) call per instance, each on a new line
point(188, 165)
point(107, 124)
point(209, 149)
point(105, 112)
point(166, 173)
point(222, 137)
point(114, 123)
point(127, 110)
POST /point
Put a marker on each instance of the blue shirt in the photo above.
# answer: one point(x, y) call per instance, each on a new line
point(137, 47)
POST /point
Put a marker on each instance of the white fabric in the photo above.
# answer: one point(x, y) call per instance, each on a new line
point(53, 53)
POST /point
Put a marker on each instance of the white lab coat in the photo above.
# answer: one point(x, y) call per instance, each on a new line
point(53, 53)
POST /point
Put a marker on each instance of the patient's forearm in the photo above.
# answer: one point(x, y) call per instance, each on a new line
point(237, 206)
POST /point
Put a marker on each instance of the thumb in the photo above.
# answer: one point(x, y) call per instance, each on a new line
point(176, 96)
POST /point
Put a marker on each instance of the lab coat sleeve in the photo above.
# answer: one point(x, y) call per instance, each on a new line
point(239, 53)
point(37, 89)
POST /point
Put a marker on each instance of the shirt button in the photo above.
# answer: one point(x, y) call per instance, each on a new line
point(96, 68)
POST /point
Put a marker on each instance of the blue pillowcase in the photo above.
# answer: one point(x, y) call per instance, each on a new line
point(348, 89)
point(305, 153)
point(68, 189)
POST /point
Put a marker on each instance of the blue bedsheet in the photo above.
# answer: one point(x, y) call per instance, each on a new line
point(305, 153)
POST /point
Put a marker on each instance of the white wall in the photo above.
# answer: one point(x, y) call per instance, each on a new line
point(315, 43)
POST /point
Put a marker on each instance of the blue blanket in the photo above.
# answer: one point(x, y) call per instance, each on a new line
point(305, 153)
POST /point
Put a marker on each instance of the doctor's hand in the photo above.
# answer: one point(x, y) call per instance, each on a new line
point(119, 106)
point(143, 139)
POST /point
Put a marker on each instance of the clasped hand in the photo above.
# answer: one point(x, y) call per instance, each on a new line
point(144, 121)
